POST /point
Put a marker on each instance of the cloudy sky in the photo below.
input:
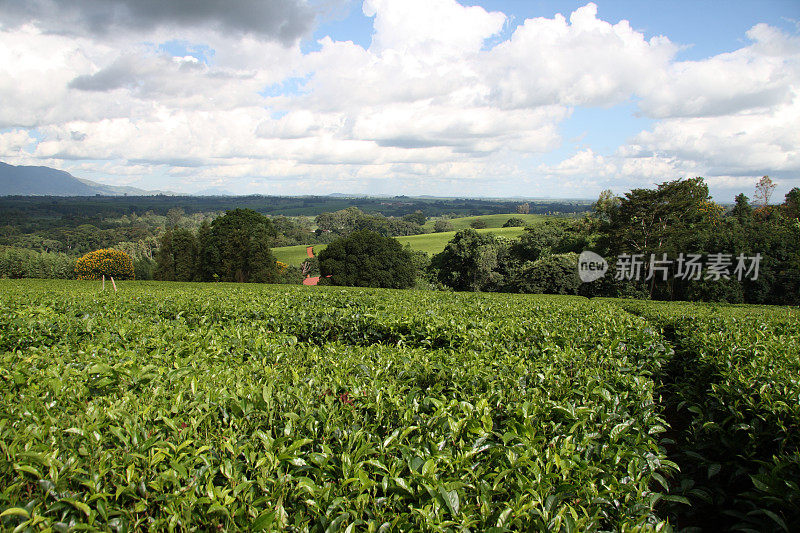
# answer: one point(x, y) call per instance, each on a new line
point(480, 98)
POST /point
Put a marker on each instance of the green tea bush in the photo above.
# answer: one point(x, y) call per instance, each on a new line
point(233, 407)
point(733, 394)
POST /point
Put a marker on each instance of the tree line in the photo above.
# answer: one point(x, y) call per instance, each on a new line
point(234, 247)
point(675, 219)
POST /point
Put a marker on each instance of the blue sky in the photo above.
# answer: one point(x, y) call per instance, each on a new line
point(477, 98)
point(705, 27)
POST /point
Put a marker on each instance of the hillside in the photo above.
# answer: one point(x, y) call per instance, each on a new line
point(492, 221)
point(46, 181)
point(430, 243)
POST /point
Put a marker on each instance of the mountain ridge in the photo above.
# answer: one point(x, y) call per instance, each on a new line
point(46, 181)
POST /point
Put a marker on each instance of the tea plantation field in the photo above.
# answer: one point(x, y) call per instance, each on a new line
point(221, 407)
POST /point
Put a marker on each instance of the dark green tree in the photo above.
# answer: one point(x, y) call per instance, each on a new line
point(514, 222)
point(742, 210)
point(242, 239)
point(367, 259)
point(417, 217)
point(552, 236)
point(207, 253)
point(440, 226)
point(551, 274)
point(341, 222)
point(668, 219)
point(676, 217)
point(471, 261)
point(177, 256)
point(792, 204)
point(478, 224)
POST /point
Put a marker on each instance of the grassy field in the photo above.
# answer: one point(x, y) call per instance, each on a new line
point(430, 243)
point(180, 406)
point(492, 221)
point(294, 255)
point(433, 243)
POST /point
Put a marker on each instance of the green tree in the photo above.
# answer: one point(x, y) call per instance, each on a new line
point(676, 217)
point(792, 204)
point(341, 222)
point(478, 224)
point(514, 222)
point(207, 253)
point(605, 205)
point(177, 256)
point(551, 274)
point(550, 236)
point(742, 210)
point(440, 226)
point(470, 262)
point(242, 240)
point(666, 219)
point(417, 217)
point(367, 259)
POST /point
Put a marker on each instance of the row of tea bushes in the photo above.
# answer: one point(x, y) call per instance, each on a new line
point(734, 393)
point(173, 406)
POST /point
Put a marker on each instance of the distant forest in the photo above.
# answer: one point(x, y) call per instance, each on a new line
point(38, 212)
point(40, 236)
point(678, 243)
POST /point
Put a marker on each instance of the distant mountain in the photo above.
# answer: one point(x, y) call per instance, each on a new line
point(45, 181)
point(214, 191)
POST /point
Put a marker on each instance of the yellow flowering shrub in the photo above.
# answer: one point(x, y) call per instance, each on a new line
point(106, 262)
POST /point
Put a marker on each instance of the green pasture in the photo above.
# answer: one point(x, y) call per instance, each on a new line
point(430, 243)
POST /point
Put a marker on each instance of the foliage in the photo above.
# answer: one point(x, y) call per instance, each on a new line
point(417, 217)
point(441, 226)
point(551, 274)
point(742, 210)
point(478, 224)
point(469, 262)
point(241, 241)
point(23, 263)
point(605, 206)
point(289, 274)
point(344, 222)
point(367, 259)
point(514, 222)
point(731, 394)
point(177, 257)
point(105, 262)
point(143, 268)
point(231, 407)
point(669, 219)
point(552, 236)
point(792, 203)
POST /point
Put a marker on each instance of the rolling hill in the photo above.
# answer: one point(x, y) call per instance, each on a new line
point(46, 181)
point(430, 243)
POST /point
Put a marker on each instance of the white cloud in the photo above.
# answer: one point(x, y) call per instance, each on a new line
point(757, 77)
point(430, 30)
point(585, 61)
point(428, 105)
